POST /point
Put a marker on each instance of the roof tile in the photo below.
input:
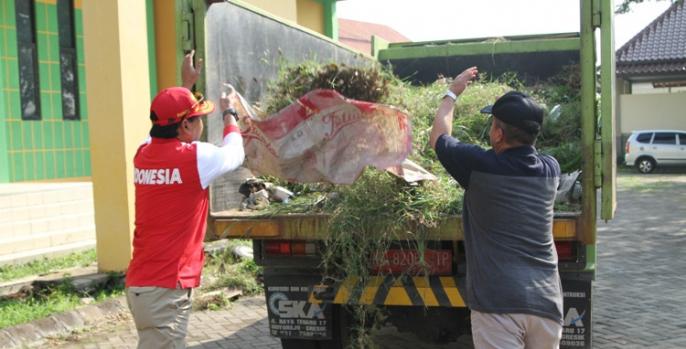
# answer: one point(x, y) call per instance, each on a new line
point(358, 34)
point(662, 44)
point(651, 68)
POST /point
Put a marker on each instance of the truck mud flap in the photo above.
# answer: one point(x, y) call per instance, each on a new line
point(576, 332)
point(433, 291)
point(290, 313)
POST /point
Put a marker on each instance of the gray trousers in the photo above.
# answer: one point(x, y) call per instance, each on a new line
point(514, 331)
point(161, 315)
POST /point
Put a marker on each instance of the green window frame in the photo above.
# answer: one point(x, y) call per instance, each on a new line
point(68, 60)
point(27, 52)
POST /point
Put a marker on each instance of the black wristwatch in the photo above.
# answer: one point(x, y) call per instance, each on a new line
point(231, 111)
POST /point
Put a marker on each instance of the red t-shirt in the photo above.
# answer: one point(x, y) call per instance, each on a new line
point(171, 179)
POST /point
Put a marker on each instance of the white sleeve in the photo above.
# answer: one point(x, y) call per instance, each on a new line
point(215, 161)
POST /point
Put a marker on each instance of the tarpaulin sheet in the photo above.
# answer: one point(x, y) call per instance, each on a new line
point(324, 137)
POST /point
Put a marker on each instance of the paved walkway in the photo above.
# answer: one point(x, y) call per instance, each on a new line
point(243, 325)
point(640, 292)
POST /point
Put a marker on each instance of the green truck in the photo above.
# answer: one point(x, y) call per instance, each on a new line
point(306, 310)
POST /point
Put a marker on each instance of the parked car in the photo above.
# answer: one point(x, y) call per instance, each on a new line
point(647, 149)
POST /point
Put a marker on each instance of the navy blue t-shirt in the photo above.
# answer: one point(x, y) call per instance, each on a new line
point(508, 220)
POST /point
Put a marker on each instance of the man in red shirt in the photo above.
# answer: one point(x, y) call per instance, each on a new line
point(172, 174)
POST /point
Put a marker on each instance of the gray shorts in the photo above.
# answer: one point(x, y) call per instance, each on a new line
point(514, 331)
point(161, 315)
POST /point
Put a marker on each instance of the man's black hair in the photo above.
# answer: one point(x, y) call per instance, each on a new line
point(515, 134)
point(168, 131)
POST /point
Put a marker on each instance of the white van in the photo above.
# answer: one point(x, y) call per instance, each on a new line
point(647, 149)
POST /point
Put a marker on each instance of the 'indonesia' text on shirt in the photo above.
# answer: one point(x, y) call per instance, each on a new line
point(157, 176)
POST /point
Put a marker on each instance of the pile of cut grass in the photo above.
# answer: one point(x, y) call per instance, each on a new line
point(560, 136)
point(367, 217)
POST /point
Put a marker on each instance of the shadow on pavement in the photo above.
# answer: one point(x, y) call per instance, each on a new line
point(255, 335)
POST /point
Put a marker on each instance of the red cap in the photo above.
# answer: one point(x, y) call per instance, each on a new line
point(174, 104)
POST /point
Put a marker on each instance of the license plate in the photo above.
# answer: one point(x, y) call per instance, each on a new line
point(395, 261)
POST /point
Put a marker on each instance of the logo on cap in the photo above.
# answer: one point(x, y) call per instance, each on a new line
point(174, 104)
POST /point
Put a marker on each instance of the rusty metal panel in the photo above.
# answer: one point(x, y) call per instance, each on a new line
point(246, 48)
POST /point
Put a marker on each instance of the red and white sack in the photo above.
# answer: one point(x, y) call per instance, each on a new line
point(325, 137)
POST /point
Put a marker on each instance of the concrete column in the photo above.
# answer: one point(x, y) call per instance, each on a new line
point(118, 89)
point(330, 19)
point(168, 56)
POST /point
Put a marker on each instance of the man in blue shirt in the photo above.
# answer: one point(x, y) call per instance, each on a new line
point(513, 286)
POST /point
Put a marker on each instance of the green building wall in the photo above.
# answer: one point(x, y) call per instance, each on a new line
point(50, 148)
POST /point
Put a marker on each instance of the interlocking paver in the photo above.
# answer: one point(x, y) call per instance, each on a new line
point(235, 327)
point(639, 296)
point(639, 299)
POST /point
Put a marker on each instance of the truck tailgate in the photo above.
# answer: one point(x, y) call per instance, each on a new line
point(229, 224)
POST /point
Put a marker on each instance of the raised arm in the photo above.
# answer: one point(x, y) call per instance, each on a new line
point(215, 161)
point(443, 123)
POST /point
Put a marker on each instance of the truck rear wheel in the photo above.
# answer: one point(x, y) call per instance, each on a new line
point(340, 336)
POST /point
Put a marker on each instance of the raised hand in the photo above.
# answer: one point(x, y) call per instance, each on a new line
point(463, 80)
point(190, 72)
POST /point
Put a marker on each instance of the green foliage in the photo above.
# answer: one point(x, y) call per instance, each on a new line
point(367, 217)
point(376, 210)
point(239, 276)
point(223, 270)
point(625, 5)
point(640, 183)
point(43, 302)
point(567, 154)
point(561, 136)
point(46, 265)
point(469, 125)
point(18, 311)
point(368, 84)
point(368, 318)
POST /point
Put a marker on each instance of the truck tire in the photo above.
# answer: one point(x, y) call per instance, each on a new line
point(340, 336)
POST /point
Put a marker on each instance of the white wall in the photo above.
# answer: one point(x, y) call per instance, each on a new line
point(652, 111)
point(647, 88)
point(45, 219)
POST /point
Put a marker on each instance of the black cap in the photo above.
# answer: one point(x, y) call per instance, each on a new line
point(519, 110)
